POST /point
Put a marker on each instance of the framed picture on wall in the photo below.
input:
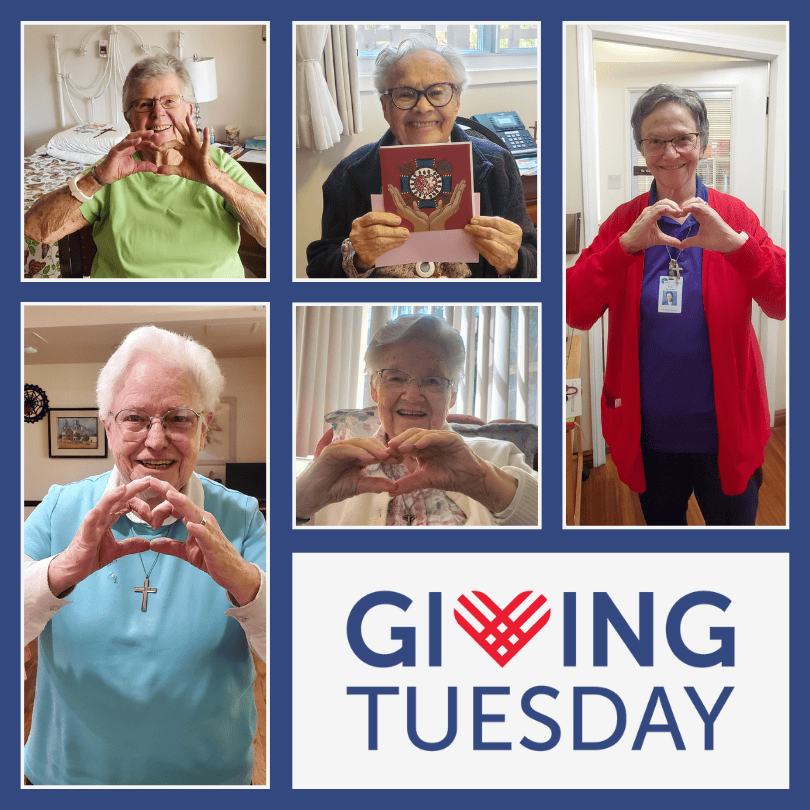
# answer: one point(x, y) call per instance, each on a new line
point(220, 441)
point(76, 433)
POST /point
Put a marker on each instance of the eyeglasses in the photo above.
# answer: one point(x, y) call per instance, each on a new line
point(395, 380)
point(178, 422)
point(406, 98)
point(146, 104)
point(657, 146)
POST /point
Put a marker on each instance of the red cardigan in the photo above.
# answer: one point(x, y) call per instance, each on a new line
point(605, 277)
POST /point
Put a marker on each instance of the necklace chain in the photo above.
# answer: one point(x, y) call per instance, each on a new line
point(154, 562)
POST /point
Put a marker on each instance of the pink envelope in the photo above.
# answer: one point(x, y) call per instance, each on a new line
point(430, 246)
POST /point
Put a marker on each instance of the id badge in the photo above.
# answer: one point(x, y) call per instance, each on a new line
point(670, 295)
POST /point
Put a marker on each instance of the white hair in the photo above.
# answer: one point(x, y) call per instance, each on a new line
point(420, 41)
point(436, 329)
point(167, 347)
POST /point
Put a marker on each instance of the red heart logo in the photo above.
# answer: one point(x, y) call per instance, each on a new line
point(498, 631)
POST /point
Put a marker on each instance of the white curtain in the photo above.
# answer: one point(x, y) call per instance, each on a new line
point(502, 352)
point(340, 68)
point(327, 97)
point(318, 122)
point(328, 365)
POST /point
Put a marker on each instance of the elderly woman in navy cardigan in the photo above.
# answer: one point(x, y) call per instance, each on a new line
point(684, 406)
point(420, 84)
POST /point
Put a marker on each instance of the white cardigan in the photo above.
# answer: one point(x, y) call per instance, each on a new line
point(371, 509)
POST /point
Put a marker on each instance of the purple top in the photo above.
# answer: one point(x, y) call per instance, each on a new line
point(677, 384)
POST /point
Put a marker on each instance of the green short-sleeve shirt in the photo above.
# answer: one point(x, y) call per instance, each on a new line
point(163, 226)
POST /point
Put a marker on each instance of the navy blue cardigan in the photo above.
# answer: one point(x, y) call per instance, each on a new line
point(348, 189)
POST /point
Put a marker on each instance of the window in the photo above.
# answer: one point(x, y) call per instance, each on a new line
point(480, 45)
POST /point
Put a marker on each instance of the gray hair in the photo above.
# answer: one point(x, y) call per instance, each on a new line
point(155, 67)
point(409, 327)
point(170, 348)
point(422, 41)
point(662, 93)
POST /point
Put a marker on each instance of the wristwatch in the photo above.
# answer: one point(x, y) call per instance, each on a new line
point(76, 191)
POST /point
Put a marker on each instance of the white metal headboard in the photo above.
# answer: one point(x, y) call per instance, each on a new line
point(106, 88)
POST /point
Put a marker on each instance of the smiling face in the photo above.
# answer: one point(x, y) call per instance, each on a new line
point(674, 171)
point(157, 119)
point(413, 407)
point(155, 387)
point(423, 123)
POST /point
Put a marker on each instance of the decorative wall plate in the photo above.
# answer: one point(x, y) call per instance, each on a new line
point(35, 403)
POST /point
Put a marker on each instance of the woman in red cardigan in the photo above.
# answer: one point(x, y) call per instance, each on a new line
point(684, 406)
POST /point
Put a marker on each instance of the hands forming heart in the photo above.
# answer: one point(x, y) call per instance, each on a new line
point(713, 232)
point(207, 548)
point(196, 163)
point(441, 458)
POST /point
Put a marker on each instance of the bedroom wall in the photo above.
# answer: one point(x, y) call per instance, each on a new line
point(241, 59)
point(312, 168)
point(73, 386)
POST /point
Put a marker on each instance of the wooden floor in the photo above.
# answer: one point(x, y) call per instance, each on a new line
point(606, 501)
point(259, 693)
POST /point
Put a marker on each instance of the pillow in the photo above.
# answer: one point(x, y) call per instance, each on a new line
point(353, 424)
point(86, 143)
point(521, 434)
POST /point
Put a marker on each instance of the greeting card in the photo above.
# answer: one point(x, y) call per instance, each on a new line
point(429, 186)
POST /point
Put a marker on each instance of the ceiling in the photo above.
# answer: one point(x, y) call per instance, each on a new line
point(89, 333)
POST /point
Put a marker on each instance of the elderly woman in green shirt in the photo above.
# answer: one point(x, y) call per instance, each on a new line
point(163, 203)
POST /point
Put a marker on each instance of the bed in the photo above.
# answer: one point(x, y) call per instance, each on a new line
point(49, 168)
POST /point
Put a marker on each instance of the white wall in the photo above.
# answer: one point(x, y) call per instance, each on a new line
point(73, 386)
point(312, 168)
point(241, 59)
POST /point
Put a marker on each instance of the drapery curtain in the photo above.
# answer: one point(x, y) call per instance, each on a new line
point(327, 99)
point(500, 375)
point(340, 68)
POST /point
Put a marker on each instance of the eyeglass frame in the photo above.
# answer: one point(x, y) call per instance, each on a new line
point(153, 100)
point(665, 142)
point(449, 381)
point(421, 93)
point(146, 429)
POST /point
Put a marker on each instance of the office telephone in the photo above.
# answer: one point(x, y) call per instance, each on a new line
point(510, 129)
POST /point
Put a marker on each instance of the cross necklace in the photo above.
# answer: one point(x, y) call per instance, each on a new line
point(146, 590)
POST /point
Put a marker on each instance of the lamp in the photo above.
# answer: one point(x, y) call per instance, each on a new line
point(203, 73)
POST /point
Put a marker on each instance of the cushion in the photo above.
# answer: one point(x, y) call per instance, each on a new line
point(85, 143)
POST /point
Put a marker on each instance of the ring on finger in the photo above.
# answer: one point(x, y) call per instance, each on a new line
point(202, 521)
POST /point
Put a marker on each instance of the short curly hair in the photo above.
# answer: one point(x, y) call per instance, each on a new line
point(169, 348)
point(422, 41)
point(418, 325)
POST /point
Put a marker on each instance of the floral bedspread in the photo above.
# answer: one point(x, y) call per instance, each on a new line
point(43, 173)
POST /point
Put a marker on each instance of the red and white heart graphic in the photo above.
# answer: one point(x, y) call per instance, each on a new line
point(501, 632)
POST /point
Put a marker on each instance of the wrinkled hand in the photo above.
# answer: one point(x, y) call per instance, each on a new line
point(94, 545)
point(419, 219)
point(376, 233)
point(714, 233)
point(645, 233)
point(447, 463)
point(197, 164)
point(438, 218)
point(120, 163)
point(207, 548)
point(339, 473)
point(497, 240)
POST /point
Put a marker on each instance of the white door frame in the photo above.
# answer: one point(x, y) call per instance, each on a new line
point(681, 39)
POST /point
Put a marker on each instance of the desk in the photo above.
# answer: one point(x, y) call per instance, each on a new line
point(252, 254)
